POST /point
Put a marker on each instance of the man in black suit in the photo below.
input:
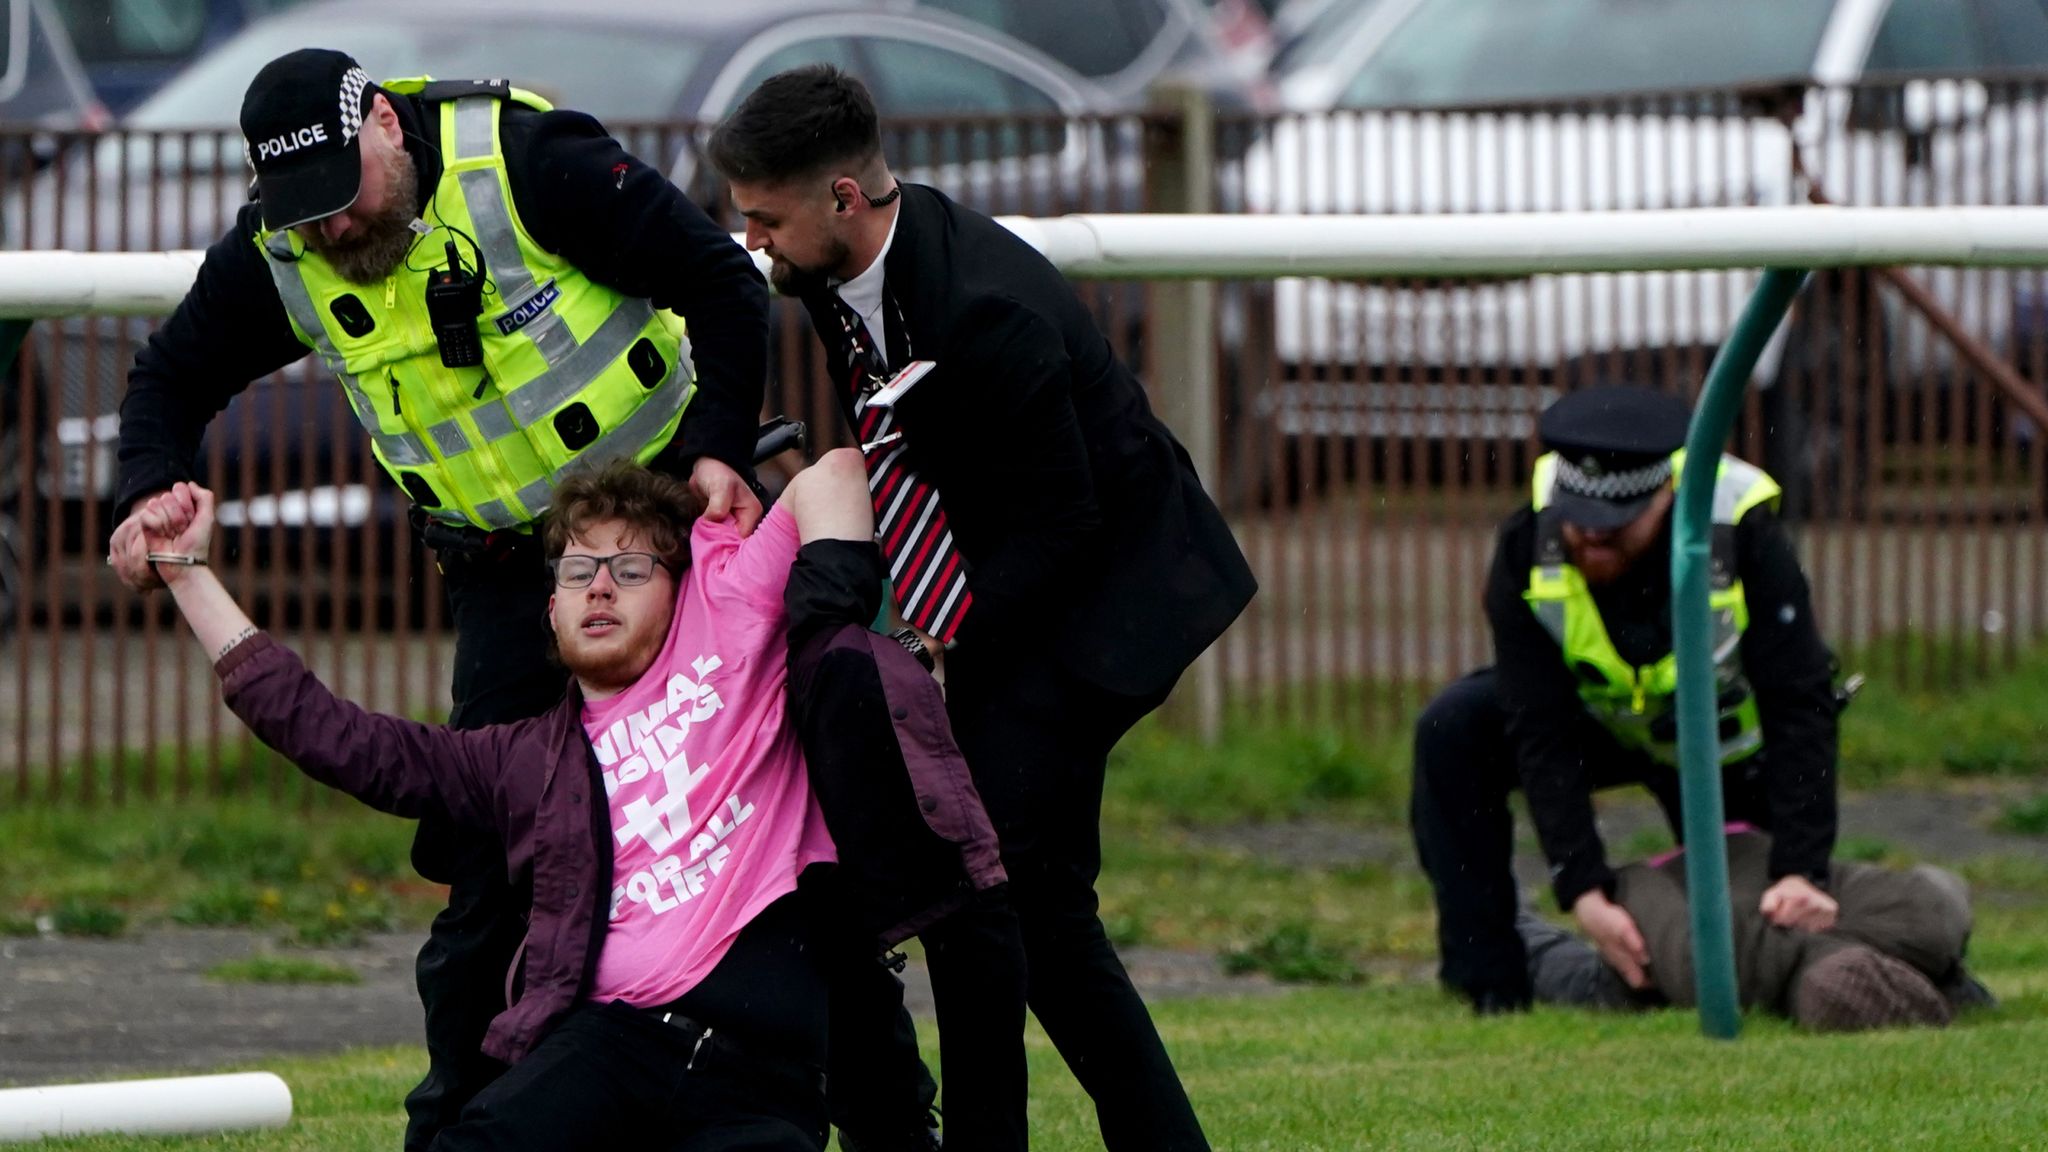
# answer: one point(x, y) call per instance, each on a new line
point(1050, 544)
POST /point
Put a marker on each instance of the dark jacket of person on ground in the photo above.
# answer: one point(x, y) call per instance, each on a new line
point(1894, 956)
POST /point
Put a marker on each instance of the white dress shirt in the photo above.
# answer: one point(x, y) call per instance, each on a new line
point(863, 294)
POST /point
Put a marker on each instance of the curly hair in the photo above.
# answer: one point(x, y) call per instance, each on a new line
point(661, 507)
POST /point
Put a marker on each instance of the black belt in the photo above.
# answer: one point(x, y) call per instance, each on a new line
point(452, 541)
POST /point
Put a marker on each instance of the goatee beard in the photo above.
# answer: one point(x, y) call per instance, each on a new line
point(798, 282)
point(383, 242)
point(794, 282)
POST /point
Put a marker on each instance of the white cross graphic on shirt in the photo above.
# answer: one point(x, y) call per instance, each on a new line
point(667, 822)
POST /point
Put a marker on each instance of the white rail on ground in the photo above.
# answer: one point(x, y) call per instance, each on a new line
point(186, 1104)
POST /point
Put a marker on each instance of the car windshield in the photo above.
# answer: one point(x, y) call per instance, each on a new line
point(1092, 37)
point(613, 73)
point(1478, 51)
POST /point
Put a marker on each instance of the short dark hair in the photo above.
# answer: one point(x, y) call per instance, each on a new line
point(797, 123)
point(661, 507)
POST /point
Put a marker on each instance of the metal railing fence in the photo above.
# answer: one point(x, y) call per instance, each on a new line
point(1368, 435)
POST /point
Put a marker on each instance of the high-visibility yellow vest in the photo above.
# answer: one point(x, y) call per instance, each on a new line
point(1639, 705)
point(573, 372)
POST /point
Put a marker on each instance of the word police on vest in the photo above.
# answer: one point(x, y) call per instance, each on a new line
point(291, 142)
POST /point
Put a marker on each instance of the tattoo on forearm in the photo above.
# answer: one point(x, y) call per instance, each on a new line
point(237, 638)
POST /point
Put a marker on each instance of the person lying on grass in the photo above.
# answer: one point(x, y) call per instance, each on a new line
point(670, 991)
point(1892, 958)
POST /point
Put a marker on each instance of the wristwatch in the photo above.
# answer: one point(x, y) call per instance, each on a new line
point(914, 644)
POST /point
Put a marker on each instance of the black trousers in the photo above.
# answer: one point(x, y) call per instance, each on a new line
point(613, 1077)
point(892, 866)
point(1465, 770)
point(1038, 742)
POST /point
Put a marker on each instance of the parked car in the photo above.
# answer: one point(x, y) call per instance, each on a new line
point(42, 82)
point(131, 47)
point(1129, 46)
point(177, 178)
point(1428, 106)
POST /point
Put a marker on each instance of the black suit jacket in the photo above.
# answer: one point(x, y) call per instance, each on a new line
point(1080, 517)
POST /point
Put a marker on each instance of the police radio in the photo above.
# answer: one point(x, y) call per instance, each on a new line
point(455, 298)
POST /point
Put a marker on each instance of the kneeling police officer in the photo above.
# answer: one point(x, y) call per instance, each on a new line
point(1582, 694)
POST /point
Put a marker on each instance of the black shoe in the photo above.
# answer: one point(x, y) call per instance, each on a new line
point(1499, 1001)
point(923, 1138)
point(1964, 991)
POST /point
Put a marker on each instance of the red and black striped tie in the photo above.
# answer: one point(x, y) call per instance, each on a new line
point(924, 565)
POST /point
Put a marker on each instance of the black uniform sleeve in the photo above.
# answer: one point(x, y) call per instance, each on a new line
point(229, 330)
point(1543, 709)
point(1792, 673)
point(583, 197)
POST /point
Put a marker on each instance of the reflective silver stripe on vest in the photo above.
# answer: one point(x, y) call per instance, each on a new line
point(1551, 614)
point(485, 198)
point(532, 401)
point(1736, 478)
point(474, 137)
point(449, 437)
point(402, 449)
point(537, 496)
point(1749, 741)
point(493, 421)
point(639, 429)
point(1726, 638)
point(624, 441)
point(498, 514)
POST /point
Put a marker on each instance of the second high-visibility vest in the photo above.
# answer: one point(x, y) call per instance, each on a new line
point(1639, 704)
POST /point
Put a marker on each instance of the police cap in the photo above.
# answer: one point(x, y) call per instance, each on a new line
point(1614, 449)
point(302, 119)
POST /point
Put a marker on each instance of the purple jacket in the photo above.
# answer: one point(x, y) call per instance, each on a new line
point(536, 783)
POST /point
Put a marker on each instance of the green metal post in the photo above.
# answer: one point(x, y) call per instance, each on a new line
point(1699, 744)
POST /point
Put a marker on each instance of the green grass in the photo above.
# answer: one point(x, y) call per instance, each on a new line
point(282, 970)
point(1169, 887)
point(2026, 817)
point(324, 876)
point(1898, 731)
point(1294, 953)
point(1276, 760)
point(1375, 1067)
point(1255, 772)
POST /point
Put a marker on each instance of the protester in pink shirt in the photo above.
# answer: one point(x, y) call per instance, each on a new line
point(669, 992)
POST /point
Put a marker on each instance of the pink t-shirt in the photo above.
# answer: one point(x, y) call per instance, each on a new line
point(711, 811)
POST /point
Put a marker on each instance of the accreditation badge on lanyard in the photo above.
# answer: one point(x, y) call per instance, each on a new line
point(898, 385)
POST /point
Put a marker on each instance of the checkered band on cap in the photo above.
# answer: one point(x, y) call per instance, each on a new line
point(1613, 485)
point(352, 84)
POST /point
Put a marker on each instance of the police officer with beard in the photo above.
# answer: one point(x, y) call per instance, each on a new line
point(502, 292)
point(1583, 689)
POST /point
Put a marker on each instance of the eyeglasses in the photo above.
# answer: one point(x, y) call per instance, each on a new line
point(628, 568)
